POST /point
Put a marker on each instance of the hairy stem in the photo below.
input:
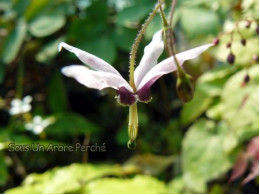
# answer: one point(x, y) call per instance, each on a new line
point(136, 44)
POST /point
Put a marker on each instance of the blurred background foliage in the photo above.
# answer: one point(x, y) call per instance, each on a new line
point(187, 148)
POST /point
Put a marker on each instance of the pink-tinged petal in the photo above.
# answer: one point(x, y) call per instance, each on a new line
point(253, 147)
point(151, 54)
point(168, 65)
point(95, 79)
point(254, 172)
point(239, 167)
point(92, 61)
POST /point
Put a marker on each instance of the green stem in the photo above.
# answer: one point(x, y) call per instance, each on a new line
point(133, 123)
point(168, 33)
point(136, 44)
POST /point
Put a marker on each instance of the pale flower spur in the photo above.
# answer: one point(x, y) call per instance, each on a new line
point(98, 74)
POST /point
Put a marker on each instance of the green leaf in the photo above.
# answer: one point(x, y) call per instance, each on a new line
point(69, 125)
point(48, 51)
point(149, 163)
point(103, 47)
point(176, 186)
point(203, 155)
point(198, 22)
point(140, 184)
point(57, 98)
point(131, 16)
point(14, 42)
point(208, 86)
point(46, 24)
point(241, 104)
point(124, 38)
point(69, 179)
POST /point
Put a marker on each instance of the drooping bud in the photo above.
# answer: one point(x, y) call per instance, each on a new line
point(228, 45)
point(231, 58)
point(243, 42)
point(125, 97)
point(248, 24)
point(215, 41)
point(257, 29)
point(246, 78)
point(184, 87)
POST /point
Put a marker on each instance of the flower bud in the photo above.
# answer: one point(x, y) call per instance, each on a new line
point(246, 78)
point(257, 29)
point(243, 42)
point(228, 45)
point(215, 41)
point(231, 58)
point(184, 88)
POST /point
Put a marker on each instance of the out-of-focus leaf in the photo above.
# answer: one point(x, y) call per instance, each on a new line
point(240, 103)
point(14, 42)
point(140, 184)
point(69, 125)
point(196, 107)
point(20, 6)
point(176, 186)
point(48, 51)
point(57, 98)
point(70, 179)
point(103, 47)
point(46, 24)
point(3, 170)
point(204, 21)
point(131, 16)
point(124, 38)
point(35, 7)
point(208, 86)
point(203, 156)
point(98, 11)
point(149, 164)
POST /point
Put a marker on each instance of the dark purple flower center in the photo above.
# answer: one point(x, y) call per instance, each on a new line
point(125, 97)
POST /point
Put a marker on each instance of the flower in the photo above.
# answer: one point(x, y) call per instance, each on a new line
point(20, 106)
point(38, 124)
point(98, 74)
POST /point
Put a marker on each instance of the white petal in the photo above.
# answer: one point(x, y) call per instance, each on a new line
point(27, 99)
point(168, 65)
point(16, 103)
point(15, 110)
point(95, 79)
point(92, 61)
point(26, 108)
point(151, 54)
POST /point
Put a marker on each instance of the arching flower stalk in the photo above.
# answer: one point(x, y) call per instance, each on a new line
point(98, 74)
